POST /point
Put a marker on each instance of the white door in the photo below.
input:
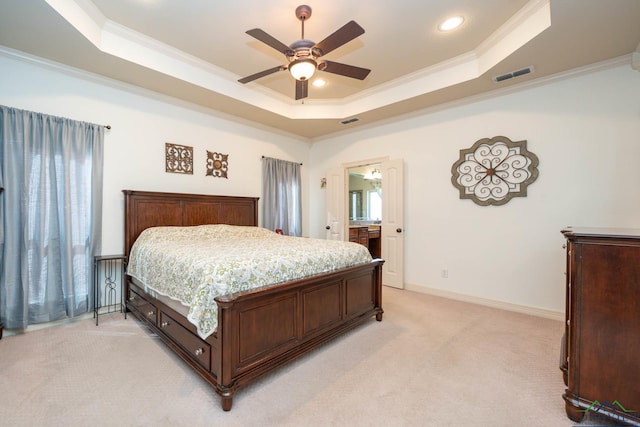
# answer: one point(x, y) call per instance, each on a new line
point(392, 217)
point(392, 232)
point(336, 198)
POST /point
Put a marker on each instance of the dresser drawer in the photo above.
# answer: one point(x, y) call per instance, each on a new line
point(191, 343)
point(140, 304)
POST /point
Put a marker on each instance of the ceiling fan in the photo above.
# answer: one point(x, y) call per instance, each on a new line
point(302, 55)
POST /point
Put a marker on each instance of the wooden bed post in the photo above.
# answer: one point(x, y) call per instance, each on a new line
point(377, 302)
point(226, 338)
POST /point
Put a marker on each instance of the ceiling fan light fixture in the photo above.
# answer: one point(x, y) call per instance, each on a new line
point(451, 23)
point(302, 69)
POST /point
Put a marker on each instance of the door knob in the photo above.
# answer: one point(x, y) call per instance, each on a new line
point(398, 230)
point(328, 227)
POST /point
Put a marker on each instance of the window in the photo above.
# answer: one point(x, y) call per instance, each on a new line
point(375, 205)
point(281, 191)
point(52, 174)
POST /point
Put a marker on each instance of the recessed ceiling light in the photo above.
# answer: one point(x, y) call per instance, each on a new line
point(451, 23)
point(319, 82)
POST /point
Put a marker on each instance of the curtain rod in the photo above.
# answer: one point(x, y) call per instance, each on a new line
point(264, 157)
point(107, 127)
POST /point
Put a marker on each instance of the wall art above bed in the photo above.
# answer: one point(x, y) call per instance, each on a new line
point(494, 170)
point(178, 158)
point(217, 164)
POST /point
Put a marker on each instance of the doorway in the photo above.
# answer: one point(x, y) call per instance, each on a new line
point(365, 200)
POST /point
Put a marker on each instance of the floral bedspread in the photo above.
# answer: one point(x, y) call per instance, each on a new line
point(196, 264)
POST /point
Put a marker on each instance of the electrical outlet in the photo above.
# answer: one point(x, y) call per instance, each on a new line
point(445, 273)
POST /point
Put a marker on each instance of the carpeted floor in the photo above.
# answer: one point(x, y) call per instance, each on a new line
point(430, 362)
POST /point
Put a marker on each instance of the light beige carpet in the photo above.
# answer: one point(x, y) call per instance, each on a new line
point(430, 362)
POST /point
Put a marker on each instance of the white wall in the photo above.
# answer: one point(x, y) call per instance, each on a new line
point(586, 132)
point(141, 125)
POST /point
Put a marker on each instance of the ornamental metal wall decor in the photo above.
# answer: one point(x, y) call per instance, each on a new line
point(494, 170)
point(178, 158)
point(217, 164)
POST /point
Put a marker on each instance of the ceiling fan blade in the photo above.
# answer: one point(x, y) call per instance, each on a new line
point(348, 32)
point(302, 89)
point(265, 38)
point(262, 74)
point(346, 70)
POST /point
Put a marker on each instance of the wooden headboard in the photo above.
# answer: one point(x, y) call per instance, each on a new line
point(144, 209)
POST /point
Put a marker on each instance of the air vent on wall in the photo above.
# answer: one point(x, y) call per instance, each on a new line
point(513, 74)
point(349, 121)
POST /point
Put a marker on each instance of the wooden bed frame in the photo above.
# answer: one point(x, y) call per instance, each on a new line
point(260, 330)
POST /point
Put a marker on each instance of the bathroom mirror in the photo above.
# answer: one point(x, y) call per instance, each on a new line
point(365, 194)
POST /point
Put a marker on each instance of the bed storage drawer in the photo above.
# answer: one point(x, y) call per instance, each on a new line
point(192, 344)
point(138, 303)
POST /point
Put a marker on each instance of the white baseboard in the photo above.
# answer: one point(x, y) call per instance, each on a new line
point(524, 309)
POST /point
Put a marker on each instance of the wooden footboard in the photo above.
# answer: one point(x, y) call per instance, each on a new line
point(260, 331)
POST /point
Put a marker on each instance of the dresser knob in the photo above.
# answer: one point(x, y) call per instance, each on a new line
point(198, 352)
point(151, 313)
point(164, 324)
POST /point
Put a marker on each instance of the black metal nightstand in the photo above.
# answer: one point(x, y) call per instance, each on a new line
point(108, 275)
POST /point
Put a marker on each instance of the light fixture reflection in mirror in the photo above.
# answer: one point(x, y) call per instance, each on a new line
point(373, 174)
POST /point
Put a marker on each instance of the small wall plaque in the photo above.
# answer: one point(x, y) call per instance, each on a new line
point(495, 170)
point(178, 158)
point(217, 164)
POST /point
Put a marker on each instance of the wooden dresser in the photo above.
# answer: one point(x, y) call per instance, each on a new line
point(601, 349)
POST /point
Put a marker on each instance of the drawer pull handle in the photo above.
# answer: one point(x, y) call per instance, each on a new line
point(198, 352)
point(164, 324)
point(132, 297)
point(151, 313)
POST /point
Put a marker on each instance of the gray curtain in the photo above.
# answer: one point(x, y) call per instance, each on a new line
point(50, 215)
point(281, 196)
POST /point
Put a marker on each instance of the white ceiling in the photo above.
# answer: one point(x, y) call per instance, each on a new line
point(196, 50)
